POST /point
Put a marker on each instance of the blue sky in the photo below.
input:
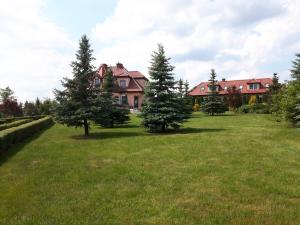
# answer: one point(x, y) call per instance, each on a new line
point(80, 16)
point(240, 39)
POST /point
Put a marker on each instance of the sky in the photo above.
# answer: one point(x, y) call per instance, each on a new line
point(240, 39)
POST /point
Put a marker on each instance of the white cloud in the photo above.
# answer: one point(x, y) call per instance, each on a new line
point(35, 53)
point(240, 39)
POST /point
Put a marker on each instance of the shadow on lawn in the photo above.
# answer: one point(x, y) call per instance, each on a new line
point(117, 134)
point(14, 149)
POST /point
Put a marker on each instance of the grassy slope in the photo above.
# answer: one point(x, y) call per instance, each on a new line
point(221, 170)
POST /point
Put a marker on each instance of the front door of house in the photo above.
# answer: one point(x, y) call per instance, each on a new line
point(136, 101)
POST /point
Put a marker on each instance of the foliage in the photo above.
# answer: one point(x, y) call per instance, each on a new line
point(9, 106)
point(19, 133)
point(295, 71)
point(252, 100)
point(213, 103)
point(77, 103)
point(162, 107)
point(196, 106)
point(111, 113)
point(297, 112)
point(259, 108)
point(14, 124)
point(234, 97)
point(6, 94)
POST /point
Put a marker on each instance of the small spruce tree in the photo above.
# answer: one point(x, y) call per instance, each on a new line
point(295, 71)
point(111, 113)
point(213, 104)
point(161, 108)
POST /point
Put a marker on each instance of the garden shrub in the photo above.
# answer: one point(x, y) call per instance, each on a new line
point(14, 124)
point(17, 134)
point(11, 119)
point(259, 108)
point(244, 109)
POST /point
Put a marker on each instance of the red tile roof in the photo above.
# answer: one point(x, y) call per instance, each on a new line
point(202, 88)
point(119, 71)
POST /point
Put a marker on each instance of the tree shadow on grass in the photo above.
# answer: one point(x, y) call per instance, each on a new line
point(117, 134)
point(15, 148)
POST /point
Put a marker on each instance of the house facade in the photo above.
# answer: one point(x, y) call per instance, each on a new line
point(129, 85)
point(247, 87)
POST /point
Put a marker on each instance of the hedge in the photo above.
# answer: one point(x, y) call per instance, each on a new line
point(14, 124)
point(12, 119)
point(17, 134)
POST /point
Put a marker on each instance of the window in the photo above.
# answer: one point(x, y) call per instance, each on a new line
point(253, 86)
point(241, 87)
point(214, 88)
point(225, 88)
point(123, 83)
point(202, 88)
point(267, 85)
point(97, 82)
point(124, 99)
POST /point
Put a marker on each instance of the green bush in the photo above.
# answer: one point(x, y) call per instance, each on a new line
point(17, 134)
point(244, 109)
point(259, 108)
point(14, 124)
point(11, 119)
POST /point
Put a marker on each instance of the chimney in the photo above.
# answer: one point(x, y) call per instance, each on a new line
point(223, 79)
point(120, 65)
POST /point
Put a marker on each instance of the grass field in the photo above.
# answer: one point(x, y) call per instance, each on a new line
point(216, 170)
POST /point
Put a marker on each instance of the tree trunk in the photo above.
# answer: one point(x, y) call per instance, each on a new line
point(86, 127)
point(163, 127)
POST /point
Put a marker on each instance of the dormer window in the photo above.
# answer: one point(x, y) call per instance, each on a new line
point(267, 85)
point(202, 88)
point(254, 86)
point(225, 88)
point(123, 83)
point(213, 88)
point(97, 82)
point(241, 87)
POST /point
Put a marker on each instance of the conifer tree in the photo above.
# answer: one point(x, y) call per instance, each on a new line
point(162, 107)
point(213, 104)
point(297, 111)
point(76, 103)
point(111, 113)
point(295, 71)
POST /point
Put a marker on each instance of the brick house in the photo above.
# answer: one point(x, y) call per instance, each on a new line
point(247, 87)
point(130, 85)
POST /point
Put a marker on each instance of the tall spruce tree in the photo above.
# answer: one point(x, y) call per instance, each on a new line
point(213, 104)
point(76, 103)
point(162, 107)
point(111, 113)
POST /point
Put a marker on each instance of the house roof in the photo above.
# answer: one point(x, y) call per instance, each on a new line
point(202, 88)
point(120, 71)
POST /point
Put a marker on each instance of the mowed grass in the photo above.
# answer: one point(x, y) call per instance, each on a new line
point(215, 170)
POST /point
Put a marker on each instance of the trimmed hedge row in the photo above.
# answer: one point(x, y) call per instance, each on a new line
point(12, 119)
point(14, 124)
point(17, 134)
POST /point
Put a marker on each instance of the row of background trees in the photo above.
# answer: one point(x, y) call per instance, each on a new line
point(10, 107)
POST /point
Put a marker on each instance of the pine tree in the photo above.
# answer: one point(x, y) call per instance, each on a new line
point(181, 88)
point(76, 103)
point(111, 112)
point(186, 88)
point(213, 104)
point(161, 107)
point(295, 71)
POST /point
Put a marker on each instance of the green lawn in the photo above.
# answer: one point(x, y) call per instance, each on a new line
point(216, 170)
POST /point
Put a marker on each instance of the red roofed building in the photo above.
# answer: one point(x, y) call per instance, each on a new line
point(248, 87)
point(130, 85)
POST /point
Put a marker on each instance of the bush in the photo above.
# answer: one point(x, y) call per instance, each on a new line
point(11, 119)
point(14, 124)
point(244, 109)
point(17, 134)
point(260, 108)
